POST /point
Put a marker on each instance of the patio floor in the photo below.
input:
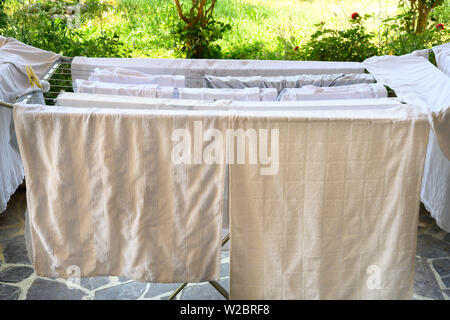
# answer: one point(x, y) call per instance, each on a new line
point(19, 281)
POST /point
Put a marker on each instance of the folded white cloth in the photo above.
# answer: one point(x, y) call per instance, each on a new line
point(354, 91)
point(247, 94)
point(137, 90)
point(416, 80)
point(104, 196)
point(339, 219)
point(14, 56)
point(282, 82)
point(442, 54)
point(196, 69)
point(127, 76)
point(269, 94)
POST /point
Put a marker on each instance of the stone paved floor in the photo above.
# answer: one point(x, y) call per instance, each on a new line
point(18, 280)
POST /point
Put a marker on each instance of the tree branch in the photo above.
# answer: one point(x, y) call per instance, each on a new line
point(180, 11)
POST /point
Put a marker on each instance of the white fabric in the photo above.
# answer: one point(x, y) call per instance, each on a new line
point(196, 69)
point(416, 80)
point(343, 206)
point(84, 100)
point(103, 194)
point(442, 54)
point(354, 91)
point(14, 56)
point(127, 76)
point(282, 82)
point(137, 90)
point(247, 94)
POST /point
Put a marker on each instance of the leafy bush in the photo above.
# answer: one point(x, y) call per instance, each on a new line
point(399, 34)
point(51, 27)
point(353, 44)
point(196, 33)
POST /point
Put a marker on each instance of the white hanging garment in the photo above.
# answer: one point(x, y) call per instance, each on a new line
point(127, 76)
point(282, 82)
point(137, 90)
point(333, 200)
point(416, 80)
point(355, 91)
point(104, 195)
point(442, 54)
point(14, 56)
point(248, 94)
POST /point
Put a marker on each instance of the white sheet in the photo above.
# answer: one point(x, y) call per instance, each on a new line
point(415, 80)
point(340, 214)
point(196, 69)
point(14, 56)
point(128, 76)
point(103, 194)
point(84, 100)
point(282, 82)
point(355, 91)
point(442, 54)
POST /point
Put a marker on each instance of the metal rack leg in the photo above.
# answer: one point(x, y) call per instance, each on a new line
point(215, 284)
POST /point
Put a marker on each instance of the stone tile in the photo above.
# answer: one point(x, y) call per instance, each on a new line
point(425, 284)
point(224, 270)
point(15, 251)
point(203, 291)
point(442, 266)
point(126, 291)
point(15, 274)
point(6, 234)
point(9, 292)
point(93, 283)
point(430, 247)
point(447, 237)
point(446, 281)
point(157, 289)
point(43, 289)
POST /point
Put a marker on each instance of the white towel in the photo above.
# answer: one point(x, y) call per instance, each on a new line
point(247, 94)
point(416, 80)
point(442, 54)
point(127, 76)
point(104, 196)
point(339, 219)
point(355, 91)
point(14, 56)
point(282, 82)
point(137, 90)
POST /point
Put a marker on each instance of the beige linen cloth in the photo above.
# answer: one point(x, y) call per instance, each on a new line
point(103, 195)
point(339, 219)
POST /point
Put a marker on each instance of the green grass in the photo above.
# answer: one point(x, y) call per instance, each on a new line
point(260, 28)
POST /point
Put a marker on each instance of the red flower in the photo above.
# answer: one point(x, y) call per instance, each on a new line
point(440, 26)
point(355, 15)
point(296, 48)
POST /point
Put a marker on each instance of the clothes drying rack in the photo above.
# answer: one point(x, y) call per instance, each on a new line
point(60, 78)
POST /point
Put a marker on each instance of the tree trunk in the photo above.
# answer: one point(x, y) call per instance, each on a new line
point(422, 20)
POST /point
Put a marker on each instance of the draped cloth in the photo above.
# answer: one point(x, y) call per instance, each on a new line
point(415, 80)
point(339, 219)
point(14, 56)
point(104, 196)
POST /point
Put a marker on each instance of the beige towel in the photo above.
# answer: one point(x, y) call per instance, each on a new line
point(339, 219)
point(103, 195)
